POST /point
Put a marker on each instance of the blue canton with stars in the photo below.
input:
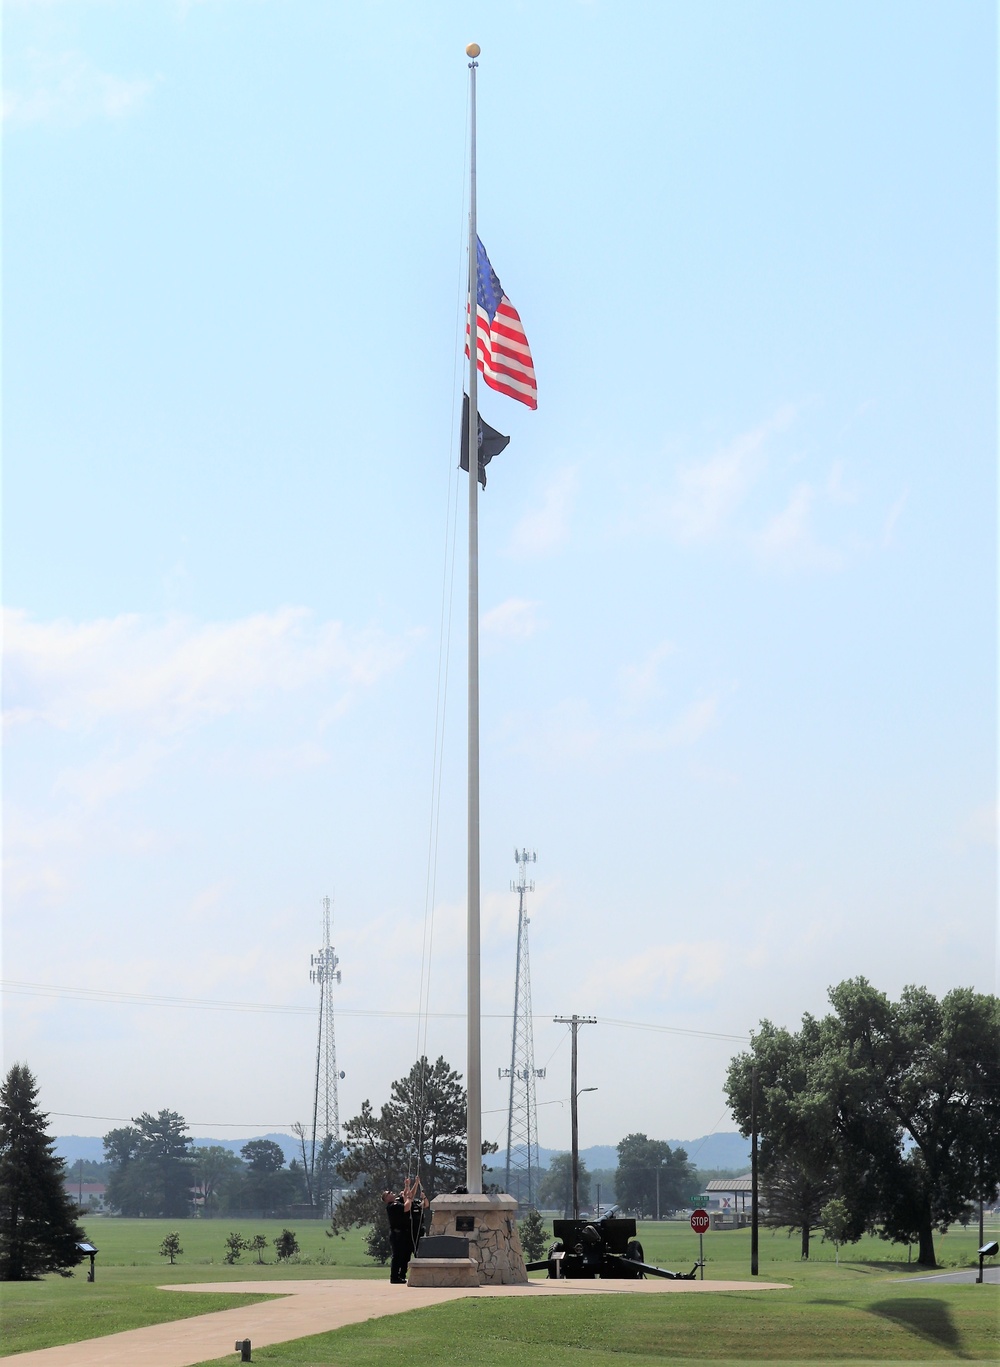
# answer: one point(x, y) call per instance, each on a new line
point(489, 291)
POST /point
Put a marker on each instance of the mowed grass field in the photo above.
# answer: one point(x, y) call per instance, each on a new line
point(869, 1308)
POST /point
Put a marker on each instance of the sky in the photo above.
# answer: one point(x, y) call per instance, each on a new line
point(737, 572)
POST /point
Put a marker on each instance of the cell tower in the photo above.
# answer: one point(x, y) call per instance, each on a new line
point(326, 1108)
point(522, 1173)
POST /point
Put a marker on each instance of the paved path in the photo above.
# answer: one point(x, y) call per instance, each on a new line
point(311, 1307)
point(991, 1277)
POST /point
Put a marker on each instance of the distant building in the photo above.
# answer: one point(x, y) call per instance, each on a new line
point(729, 1201)
point(89, 1195)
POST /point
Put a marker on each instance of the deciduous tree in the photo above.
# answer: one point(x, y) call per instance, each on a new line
point(895, 1104)
point(263, 1155)
point(267, 1183)
point(555, 1190)
point(218, 1173)
point(796, 1119)
point(653, 1179)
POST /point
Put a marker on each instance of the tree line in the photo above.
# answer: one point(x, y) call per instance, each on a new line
point(155, 1170)
point(882, 1117)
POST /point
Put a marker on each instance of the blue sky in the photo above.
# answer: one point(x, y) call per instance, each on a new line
point(738, 571)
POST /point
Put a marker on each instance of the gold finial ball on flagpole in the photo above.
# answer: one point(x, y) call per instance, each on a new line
point(473, 50)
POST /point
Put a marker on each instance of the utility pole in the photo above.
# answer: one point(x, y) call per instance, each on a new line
point(574, 1022)
point(754, 1210)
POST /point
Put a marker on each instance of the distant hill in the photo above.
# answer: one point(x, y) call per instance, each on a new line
point(729, 1150)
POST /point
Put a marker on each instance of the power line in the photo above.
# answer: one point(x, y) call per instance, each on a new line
point(109, 996)
point(198, 1124)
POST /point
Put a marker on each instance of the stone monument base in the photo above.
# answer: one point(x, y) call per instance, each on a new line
point(442, 1272)
point(490, 1225)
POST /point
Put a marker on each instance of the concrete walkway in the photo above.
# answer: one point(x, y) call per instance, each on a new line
point(312, 1307)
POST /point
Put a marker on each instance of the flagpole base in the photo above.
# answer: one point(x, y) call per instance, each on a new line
point(490, 1225)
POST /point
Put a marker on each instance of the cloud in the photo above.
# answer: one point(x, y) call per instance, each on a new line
point(685, 729)
point(788, 536)
point(708, 493)
point(639, 683)
point(543, 530)
point(735, 498)
point(892, 517)
point(166, 675)
point(571, 731)
point(67, 88)
point(99, 782)
point(693, 722)
point(658, 970)
point(515, 619)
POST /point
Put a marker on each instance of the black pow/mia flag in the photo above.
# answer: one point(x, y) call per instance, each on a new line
point(491, 442)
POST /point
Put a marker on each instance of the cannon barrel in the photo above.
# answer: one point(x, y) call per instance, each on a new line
point(655, 1271)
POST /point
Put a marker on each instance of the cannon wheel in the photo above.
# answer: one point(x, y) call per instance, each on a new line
point(634, 1251)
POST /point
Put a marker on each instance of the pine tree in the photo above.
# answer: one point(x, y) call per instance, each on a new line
point(38, 1228)
point(419, 1132)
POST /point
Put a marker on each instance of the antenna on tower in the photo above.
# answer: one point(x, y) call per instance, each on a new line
point(522, 1173)
point(324, 970)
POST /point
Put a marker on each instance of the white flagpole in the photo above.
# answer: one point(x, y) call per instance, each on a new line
point(474, 1121)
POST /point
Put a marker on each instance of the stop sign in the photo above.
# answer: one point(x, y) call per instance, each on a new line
point(700, 1221)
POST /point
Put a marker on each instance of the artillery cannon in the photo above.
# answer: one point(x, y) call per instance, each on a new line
point(604, 1248)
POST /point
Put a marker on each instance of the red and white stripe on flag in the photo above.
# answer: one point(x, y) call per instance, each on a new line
point(504, 359)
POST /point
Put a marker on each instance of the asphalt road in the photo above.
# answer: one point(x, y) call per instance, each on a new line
point(991, 1277)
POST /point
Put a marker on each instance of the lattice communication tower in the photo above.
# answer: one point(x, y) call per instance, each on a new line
point(324, 970)
point(522, 1173)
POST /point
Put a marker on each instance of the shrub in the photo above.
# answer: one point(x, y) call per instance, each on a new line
point(378, 1245)
point(533, 1236)
point(235, 1245)
point(286, 1245)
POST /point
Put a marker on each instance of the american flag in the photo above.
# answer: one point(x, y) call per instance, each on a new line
point(504, 358)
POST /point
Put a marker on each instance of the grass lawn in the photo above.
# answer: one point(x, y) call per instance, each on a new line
point(124, 1295)
point(827, 1322)
point(867, 1308)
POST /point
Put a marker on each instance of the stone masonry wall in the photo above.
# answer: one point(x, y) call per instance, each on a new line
point(494, 1241)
